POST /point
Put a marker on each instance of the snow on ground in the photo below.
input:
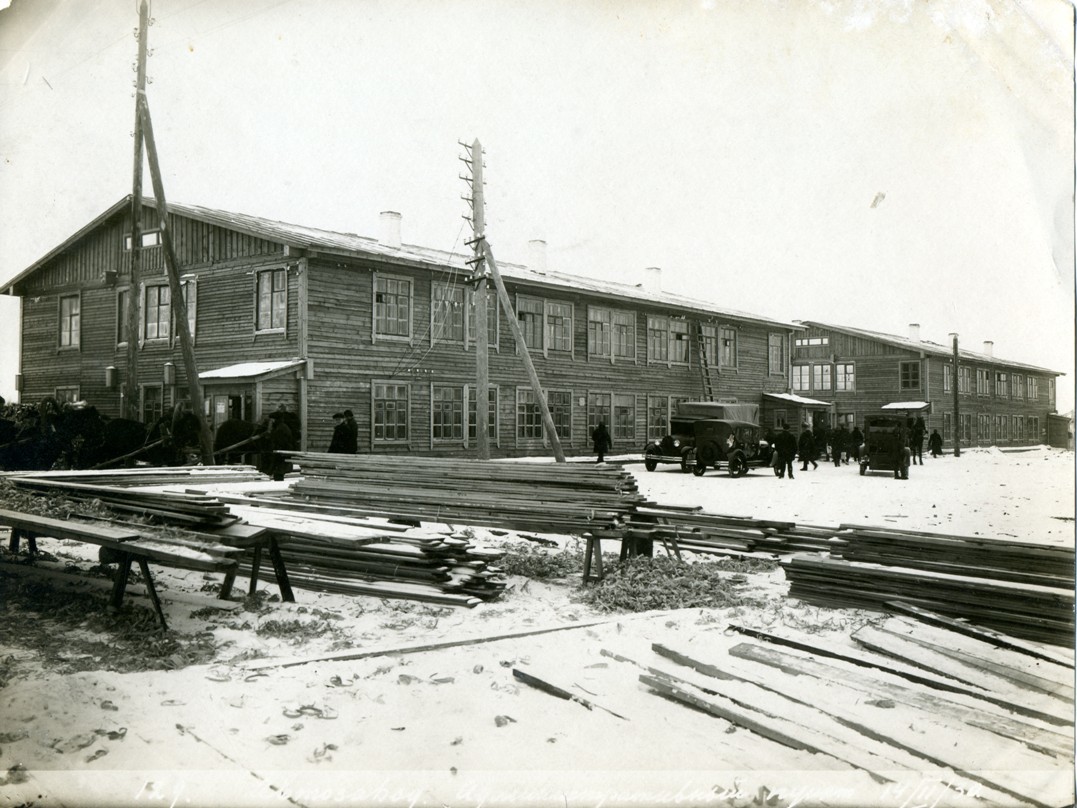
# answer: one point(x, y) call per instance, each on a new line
point(352, 717)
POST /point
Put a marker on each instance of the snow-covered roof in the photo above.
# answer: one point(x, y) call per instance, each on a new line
point(793, 398)
point(906, 406)
point(927, 346)
point(352, 245)
point(251, 370)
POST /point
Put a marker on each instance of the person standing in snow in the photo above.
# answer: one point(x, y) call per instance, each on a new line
point(806, 445)
point(934, 443)
point(602, 441)
point(786, 446)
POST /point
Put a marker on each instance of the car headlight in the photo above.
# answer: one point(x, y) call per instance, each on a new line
point(676, 444)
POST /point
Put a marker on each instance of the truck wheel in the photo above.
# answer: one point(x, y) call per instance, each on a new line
point(650, 463)
point(738, 467)
point(684, 463)
point(699, 468)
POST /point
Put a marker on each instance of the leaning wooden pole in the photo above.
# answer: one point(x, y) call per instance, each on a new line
point(134, 301)
point(536, 385)
point(179, 305)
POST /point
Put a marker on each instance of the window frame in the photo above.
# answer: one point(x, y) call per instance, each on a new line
point(822, 377)
point(842, 383)
point(537, 313)
point(599, 333)
point(657, 340)
point(493, 419)
point(910, 364)
point(964, 380)
point(593, 408)
point(658, 431)
point(271, 328)
point(374, 426)
point(566, 331)
point(983, 382)
point(68, 393)
point(159, 409)
point(533, 420)
point(123, 304)
point(69, 324)
point(144, 315)
point(680, 339)
point(147, 239)
point(800, 377)
point(1002, 384)
point(948, 377)
point(773, 336)
point(493, 320)
point(723, 340)
point(456, 422)
point(1017, 385)
point(376, 334)
point(459, 312)
point(564, 437)
point(1032, 388)
point(618, 431)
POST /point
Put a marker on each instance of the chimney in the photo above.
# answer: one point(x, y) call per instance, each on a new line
point(914, 332)
point(536, 261)
point(390, 228)
point(652, 279)
point(989, 348)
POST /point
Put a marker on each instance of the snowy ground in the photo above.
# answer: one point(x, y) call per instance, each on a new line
point(351, 716)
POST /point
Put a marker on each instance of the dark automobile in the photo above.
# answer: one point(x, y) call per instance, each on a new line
point(707, 434)
point(886, 445)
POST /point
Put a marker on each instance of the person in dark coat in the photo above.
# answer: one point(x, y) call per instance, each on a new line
point(806, 445)
point(786, 446)
point(934, 443)
point(336, 445)
point(822, 440)
point(276, 437)
point(838, 438)
point(351, 442)
point(602, 441)
point(856, 440)
point(916, 440)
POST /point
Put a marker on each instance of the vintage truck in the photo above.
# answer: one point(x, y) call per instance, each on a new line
point(709, 434)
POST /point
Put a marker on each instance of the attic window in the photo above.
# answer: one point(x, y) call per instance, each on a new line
point(151, 238)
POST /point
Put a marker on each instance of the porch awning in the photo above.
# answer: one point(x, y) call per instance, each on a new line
point(907, 406)
point(793, 398)
point(251, 371)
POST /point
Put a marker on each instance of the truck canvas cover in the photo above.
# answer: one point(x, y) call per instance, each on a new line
point(719, 409)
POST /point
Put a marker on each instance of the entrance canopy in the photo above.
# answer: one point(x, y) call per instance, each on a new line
point(907, 406)
point(793, 398)
point(250, 371)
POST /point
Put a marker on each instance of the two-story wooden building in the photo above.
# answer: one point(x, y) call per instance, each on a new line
point(858, 372)
point(319, 322)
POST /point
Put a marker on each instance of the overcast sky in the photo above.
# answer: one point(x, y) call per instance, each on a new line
point(866, 162)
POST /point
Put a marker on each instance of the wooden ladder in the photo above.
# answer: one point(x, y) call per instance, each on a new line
point(705, 366)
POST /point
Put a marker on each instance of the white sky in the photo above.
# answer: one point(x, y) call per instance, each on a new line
point(739, 146)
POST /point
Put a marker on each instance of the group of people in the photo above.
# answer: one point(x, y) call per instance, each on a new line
point(345, 438)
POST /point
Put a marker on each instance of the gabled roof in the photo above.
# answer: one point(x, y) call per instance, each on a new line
point(928, 347)
point(355, 246)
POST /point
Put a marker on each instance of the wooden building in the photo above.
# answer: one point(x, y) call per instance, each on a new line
point(318, 322)
point(1000, 403)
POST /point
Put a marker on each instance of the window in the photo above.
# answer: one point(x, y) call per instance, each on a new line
point(1017, 428)
point(965, 422)
point(1051, 393)
point(947, 378)
point(392, 307)
point(779, 419)
point(70, 332)
point(528, 415)
point(964, 380)
point(657, 417)
point(447, 413)
point(559, 326)
point(776, 353)
point(123, 308)
point(157, 312)
point(152, 403)
point(804, 342)
point(624, 335)
point(728, 347)
point(909, 374)
point(845, 377)
point(1002, 385)
point(560, 404)
point(657, 339)
point(492, 321)
point(491, 418)
point(948, 427)
point(709, 339)
point(983, 428)
point(1032, 388)
point(272, 300)
point(820, 378)
point(1001, 428)
point(67, 395)
point(983, 382)
point(678, 341)
point(599, 332)
point(529, 313)
point(446, 312)
point(802, 378)
point(1034, 428)
point(598, 410)
point(624, 418)
point(390, 411)
point(150, 238)
point(1018, 385)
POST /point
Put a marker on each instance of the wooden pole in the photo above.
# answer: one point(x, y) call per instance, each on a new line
point(482, 347)
point(134, 302)
point(957, 413)
point(190, 367)
point(536, 385)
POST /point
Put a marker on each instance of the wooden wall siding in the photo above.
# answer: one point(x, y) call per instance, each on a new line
point(347, 360)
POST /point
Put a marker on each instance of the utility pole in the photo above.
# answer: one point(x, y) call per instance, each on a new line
point(478, 295)
point(134, 302)
point(179, 305)
point(957, 414)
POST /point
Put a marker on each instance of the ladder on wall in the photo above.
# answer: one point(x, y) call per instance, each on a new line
point(705, 366)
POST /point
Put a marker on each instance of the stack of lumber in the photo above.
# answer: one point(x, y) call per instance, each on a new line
point(1025, 590)
point(562, 498)
point(371, 557)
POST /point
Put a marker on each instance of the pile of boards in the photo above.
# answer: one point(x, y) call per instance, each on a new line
point(1022, 589)
point(542, 497)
